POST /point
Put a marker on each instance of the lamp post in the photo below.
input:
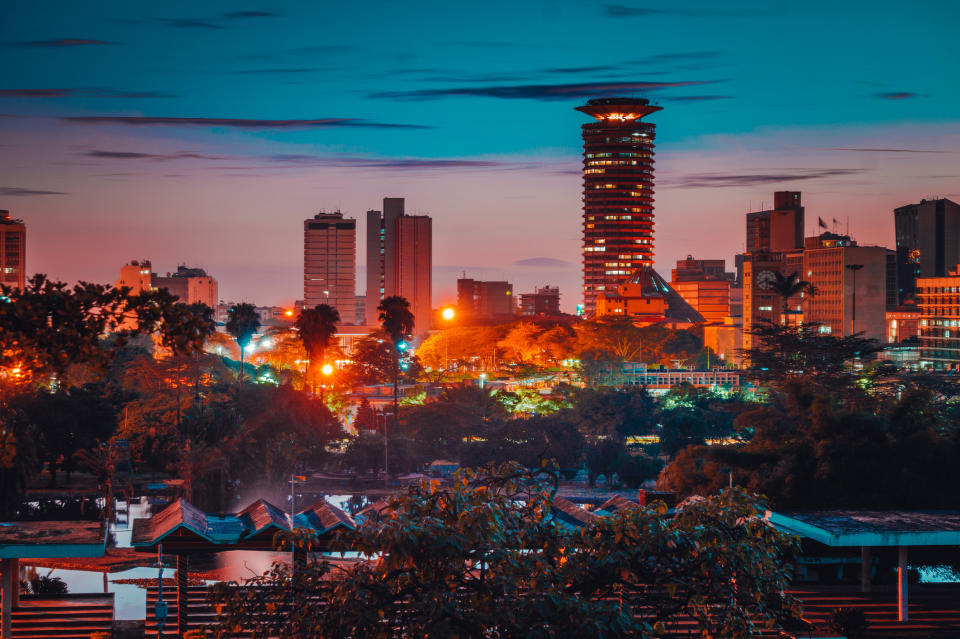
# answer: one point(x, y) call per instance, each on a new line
point(854, 268)
point(327, 371)
point(447, 314)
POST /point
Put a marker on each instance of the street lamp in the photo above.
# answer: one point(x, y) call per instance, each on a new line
point(447, 314)
point(854, 268)
point(327, 371)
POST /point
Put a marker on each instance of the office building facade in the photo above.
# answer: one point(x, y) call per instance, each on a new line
point(544, 301)
point(399, 261)
point(928, 242)
point(827, 259)
point(778, 230)
point(330, 264)
point(939, 302)
point(13, 251)
point(480, 300)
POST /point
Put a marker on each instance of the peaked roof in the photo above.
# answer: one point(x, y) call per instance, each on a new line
point(570, 514)
point(616, 504)
point(653, 285)
point(191, 528)
point(261, 515)
point(322, 517)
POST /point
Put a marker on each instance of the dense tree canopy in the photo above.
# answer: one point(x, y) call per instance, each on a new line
point(485, 557)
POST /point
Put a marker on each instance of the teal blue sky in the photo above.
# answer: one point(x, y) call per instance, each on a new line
point(206, 132)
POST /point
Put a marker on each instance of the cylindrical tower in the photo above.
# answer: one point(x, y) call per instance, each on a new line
point(617, 193)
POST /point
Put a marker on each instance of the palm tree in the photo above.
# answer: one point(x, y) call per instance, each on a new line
point(202, 326)
point(397, 322)
point(243, 323)
point(317, 327)
point(788, 286)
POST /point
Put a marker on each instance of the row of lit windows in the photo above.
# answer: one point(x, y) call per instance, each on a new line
point(619, 154)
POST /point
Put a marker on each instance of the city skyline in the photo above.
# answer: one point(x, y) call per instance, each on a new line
point(112, 137)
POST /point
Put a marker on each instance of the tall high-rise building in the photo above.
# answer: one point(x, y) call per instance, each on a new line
point(399, 261)
point(928, 242)
point(330, 263)
point(693, 270)
point(777, 230)
point(617, 194)
point(826, 262)
point(13, 251)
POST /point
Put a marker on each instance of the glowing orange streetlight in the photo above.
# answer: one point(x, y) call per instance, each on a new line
point(448, 313)
point(327, 371)
point(288, 312)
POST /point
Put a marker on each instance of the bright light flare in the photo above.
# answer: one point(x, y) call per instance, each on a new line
point(326, 369)
point(448, 313)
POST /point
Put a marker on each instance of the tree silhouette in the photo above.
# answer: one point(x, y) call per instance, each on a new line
point(397, 322)
point(243, 323)
point(786, 286)
point(317, 326)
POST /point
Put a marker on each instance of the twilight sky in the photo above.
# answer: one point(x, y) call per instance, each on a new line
point(205, 132)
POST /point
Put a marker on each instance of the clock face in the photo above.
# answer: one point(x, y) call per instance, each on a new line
point(765, 279)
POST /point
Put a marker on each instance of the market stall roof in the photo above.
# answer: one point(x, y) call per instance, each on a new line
point(51, 539)
point(873, 527)
point(182, 527)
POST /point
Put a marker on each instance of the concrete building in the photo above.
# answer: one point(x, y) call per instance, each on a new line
point(760, 302)
point(779, 229)
point(13, 251)
point(543, 301)
point(903, 323)
point(928, 242)
point(710, 298)
point(479, 300)
point(400, 261)
point(693, 270)
point(826, 262)
point(617, 194)
point(330, 263)
point(191, 285)
point(939, 302)
point(137, 276)
point(704, 285)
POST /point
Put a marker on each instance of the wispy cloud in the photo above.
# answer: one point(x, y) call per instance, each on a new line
point(239, 123)
point(627, 11)
point(304, 160)
point(388, 163)
point(538, 91)
point(65, 42)
point(16, 191)
point(695, 98)
point(161, 157)
point(873, 150)
point(720, 180)
point(82, 92)
point(895, 95)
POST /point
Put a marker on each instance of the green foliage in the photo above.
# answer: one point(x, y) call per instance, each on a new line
point(243, 324)
point(615, 413)
point(849, 622)
point(484, 557)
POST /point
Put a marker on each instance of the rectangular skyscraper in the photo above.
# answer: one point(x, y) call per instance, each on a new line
point(399, 261)
point(13, 251)
point(778, 230)
point(928, 242)
point(330, 264)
